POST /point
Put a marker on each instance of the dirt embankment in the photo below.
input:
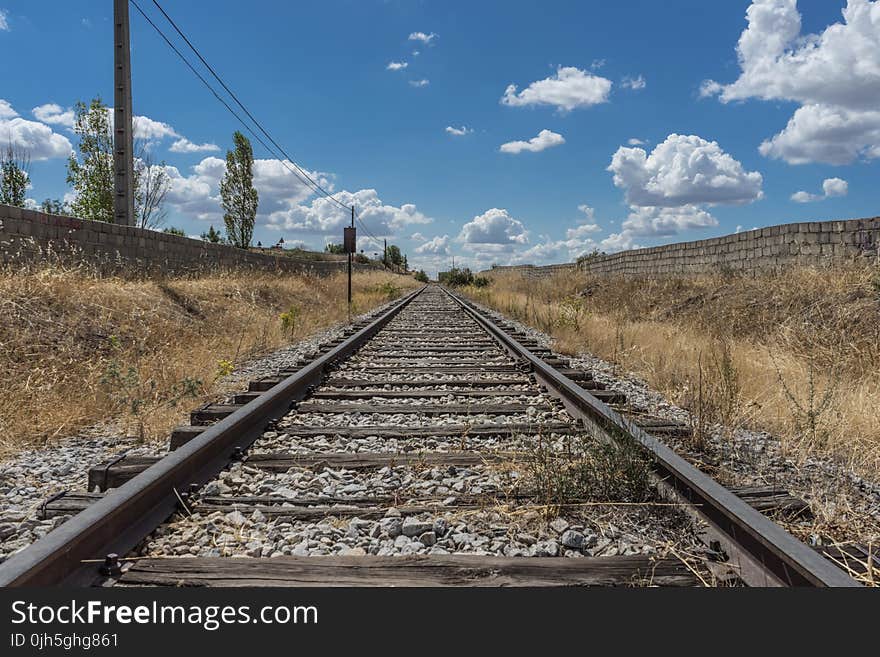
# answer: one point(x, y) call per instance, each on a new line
point(797, 354)
point(76, 348)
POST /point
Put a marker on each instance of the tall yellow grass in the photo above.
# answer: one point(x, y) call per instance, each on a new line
point(797, 355)
point(76, 348)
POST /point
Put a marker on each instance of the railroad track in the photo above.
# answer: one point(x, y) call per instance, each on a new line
point(432, 446)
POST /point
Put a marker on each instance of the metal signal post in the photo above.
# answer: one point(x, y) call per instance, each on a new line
point(123, 146)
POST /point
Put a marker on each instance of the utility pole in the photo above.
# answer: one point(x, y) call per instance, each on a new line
point(349, 269)
point(385, 255)
point(349, 243)
point(123, 146)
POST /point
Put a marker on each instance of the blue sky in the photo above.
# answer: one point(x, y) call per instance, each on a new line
point(733, 115)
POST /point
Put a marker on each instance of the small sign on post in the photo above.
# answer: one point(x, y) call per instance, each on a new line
point(349, 241)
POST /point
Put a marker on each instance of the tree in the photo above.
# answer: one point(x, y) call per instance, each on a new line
point(171, 230)
point(92, 179)
point(237, 193)
point(421, 276)
point(394, 256)
point(14, 179)
point(213, 236)
point(54, 206)
point(336, 249)
point(405, 266)
point(152, 185)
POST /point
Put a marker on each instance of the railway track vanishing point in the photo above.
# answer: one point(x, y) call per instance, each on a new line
point(405, 453)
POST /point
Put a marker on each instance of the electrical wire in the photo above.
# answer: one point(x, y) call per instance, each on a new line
point(195, 50)
point(299, 172)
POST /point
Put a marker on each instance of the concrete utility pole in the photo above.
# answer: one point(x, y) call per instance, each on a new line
point(123, 140)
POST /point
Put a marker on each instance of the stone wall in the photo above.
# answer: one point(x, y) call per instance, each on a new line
point(764, 250)
point(29, 236)
point(535, 271)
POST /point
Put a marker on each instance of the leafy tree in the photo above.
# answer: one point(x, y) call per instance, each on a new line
point(394, 255)
point(171, 230)
point(54, 206)
point(14, 179)
point(213, 236)
point(421, 276)
point(237, 193)
point(92, 179)
point(337, 249)
point(405, 266)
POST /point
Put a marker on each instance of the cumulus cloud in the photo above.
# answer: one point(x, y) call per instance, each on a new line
point(683, 170)
point(834, 75)
point(184, 145)
point(822, 133)
point(633, 141)
point(6, 111)
point(54, 114)
point(494, 227)
point(427, 39)
point(4, 21)
point(830, 187)
point(419, 83)
point(38, 140)
point(656, 221)
point(396, 66)
point(635, 83)
point(545, 139)
point(568, 89)
point(149, 129)
point(323, 216)
point(198, 195)
point(438, 245)
point(458, 132)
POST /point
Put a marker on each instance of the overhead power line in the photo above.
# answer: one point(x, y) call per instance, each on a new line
point(195, 50)
point(283, 157)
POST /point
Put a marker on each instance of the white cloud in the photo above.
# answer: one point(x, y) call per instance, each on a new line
point(198, 195)
point(435, 246)
point(545, 139)
point(427, 39)
point(418, 237)
point(4, 23)
point(656, 221)
point(830, 187)
point(635, 142)
point(494, 227)
point(834, 75)
point(709, 88)
point(683, 170)
point(54, 114)
point(396, 66)
point(635, 83)
point(568, 89)
point(148, 129)
point(323, 216)
point(622, 241)
point(458, 132)
point(38, 140)
point(6, 111)
point(419, 83)
point(184, 145)
point(835, 187)
point(821, 133)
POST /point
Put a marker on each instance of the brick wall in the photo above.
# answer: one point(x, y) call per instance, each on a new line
point(765, 250)
point(28, 236)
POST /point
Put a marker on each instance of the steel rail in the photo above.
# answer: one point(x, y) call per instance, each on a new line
point(760, 551)
point(124, 517)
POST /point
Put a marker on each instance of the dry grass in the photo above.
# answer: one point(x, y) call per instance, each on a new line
point(76, 348)
point(797, 354)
